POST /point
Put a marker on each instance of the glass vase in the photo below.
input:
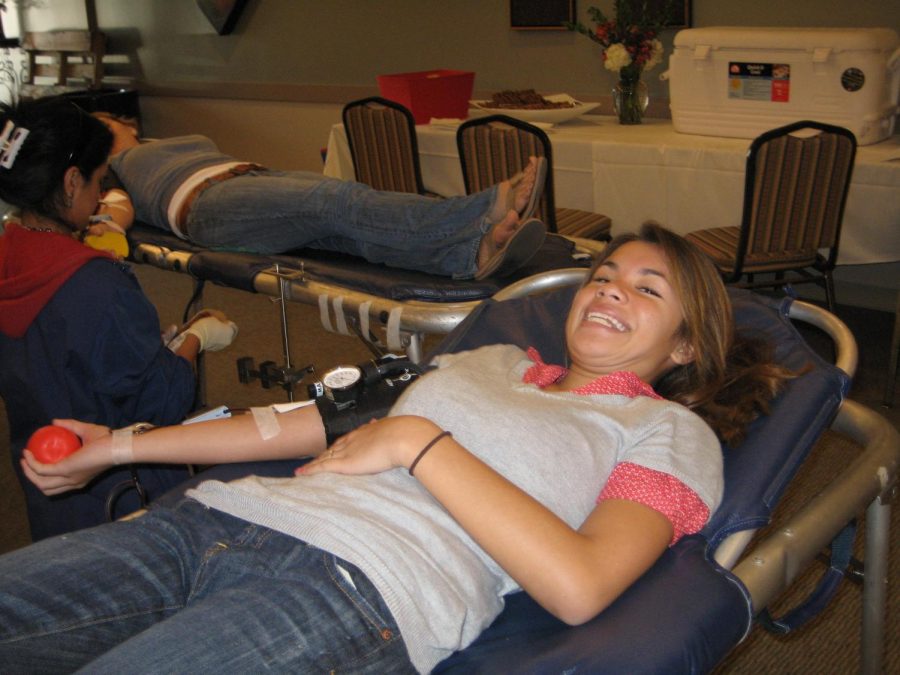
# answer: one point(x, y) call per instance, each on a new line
point(630, 97)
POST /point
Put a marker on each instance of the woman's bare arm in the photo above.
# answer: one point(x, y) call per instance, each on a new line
point(236, 439)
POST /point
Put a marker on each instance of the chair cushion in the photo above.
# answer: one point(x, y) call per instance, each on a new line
point(682, 616)
point(583, 224)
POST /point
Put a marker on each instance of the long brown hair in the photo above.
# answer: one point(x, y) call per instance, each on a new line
point(731, 379)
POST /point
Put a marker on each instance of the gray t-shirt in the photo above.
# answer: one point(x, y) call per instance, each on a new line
point(441, 587)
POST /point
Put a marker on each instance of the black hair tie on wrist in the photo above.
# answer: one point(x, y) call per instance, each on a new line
point(428, 447)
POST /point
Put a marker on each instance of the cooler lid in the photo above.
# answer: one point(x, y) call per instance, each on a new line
point(836, 39)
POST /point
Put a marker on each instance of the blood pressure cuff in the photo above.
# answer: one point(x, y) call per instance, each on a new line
point(373, 402)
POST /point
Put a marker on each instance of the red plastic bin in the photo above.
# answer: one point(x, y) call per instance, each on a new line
point(430, 93)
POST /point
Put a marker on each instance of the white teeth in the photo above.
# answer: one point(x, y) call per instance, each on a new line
point(606, 320)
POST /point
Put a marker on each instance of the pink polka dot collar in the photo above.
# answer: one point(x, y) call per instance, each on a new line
point(621, 382)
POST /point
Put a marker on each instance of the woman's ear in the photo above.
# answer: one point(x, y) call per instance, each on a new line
point(72, 180)
point(683, 353)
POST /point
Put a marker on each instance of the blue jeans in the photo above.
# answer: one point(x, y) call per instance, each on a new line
point(190, 589)
point(276, 211)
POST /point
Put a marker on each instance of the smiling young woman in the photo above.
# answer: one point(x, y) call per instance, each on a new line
point(380, 543)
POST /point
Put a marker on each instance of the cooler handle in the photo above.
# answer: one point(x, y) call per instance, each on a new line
point(821, 54)
point(894, 59)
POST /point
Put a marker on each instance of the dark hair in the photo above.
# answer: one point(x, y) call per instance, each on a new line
point(731, 379)
point(60, 135)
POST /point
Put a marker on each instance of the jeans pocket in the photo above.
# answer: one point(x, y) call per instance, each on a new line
point(361, 592)
point(382, 644)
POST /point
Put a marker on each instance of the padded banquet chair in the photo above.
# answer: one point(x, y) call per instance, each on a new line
point(699, 599)
point(382, 139)
point(795, 188)
point(496, 147)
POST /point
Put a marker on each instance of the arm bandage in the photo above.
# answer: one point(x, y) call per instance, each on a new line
point(122, 446)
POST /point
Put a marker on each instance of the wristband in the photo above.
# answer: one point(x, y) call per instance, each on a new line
point(428, 447)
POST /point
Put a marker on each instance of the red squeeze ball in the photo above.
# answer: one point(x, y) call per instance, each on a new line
point(51, 444)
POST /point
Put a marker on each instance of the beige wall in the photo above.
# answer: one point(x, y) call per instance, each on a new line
point(270, 91)
point(288, 45)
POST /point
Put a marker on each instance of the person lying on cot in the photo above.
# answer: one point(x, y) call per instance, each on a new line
point(187, 186)
point(77, 335)
point(395, 545)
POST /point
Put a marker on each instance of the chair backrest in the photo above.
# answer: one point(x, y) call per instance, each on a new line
point(496, 147)
point(795, 189)
point(382, 139)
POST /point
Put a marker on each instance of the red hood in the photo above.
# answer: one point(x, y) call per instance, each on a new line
point(33, 265)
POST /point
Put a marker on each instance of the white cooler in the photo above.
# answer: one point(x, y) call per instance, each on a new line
point(742, 81)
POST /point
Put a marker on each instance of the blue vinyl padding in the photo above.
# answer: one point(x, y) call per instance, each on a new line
point(687, 612)
point(237, 270)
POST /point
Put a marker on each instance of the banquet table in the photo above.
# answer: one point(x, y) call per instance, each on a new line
point(651, 172)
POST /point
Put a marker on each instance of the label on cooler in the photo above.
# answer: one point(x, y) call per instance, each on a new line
point(759, 81)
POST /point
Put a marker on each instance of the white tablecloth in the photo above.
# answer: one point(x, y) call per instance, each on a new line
point(651, 172)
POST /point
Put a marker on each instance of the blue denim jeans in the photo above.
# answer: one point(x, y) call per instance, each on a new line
point(190, 590)
point(276, 211)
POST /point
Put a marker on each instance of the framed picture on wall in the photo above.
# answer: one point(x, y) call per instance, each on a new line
point(541, 14)
point(222, 14)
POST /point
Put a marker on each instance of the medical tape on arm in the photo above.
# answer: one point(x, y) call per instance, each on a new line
point(266, 422)
point(115, 199)
point(122, 446)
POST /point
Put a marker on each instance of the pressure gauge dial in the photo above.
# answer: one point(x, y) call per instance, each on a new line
point(342, 383)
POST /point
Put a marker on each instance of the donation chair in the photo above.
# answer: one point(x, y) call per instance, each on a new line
point(795, 188)
point(382, 139)
point(700, 598)
point(496, 147)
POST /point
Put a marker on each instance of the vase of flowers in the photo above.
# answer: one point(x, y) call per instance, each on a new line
point(630, 46)
point(630, 96)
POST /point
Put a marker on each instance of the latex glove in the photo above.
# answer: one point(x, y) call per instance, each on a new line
point(214, 333)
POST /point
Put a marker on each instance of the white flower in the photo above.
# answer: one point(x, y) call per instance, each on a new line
point(617, 57)
point(656, 54)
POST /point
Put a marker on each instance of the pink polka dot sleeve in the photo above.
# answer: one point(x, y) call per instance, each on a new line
point(661, 492)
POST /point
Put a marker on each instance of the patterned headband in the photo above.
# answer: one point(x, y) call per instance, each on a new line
point(10, 143)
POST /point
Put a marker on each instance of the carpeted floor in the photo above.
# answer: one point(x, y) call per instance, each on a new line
point(830, 644)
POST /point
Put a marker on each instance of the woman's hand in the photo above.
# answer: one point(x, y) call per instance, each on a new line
point(79, 468)
point(378, 446)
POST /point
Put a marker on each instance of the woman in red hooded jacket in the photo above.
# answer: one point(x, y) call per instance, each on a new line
point(78, 338)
